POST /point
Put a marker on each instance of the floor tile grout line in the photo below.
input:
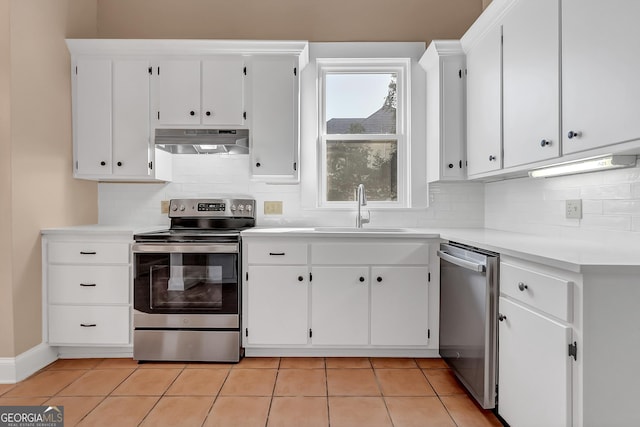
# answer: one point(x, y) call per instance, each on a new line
point(162, 395)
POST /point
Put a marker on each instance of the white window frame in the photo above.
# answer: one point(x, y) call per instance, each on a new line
point(399, 66)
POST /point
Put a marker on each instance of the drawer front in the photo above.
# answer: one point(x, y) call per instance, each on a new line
point(89, 325)
point(370, 253)
point(88, 284)
point(544, 292)
point(88, 253)
point(277, 253)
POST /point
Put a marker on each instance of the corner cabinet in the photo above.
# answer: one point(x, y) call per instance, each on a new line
point(444, 63)
point(332, 297)
point(86, 290)
point(274, 118)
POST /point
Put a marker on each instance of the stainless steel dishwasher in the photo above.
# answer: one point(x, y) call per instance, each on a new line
point(468, 317)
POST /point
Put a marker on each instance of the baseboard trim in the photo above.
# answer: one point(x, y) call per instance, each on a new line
point(14, 369)
point(338, 352)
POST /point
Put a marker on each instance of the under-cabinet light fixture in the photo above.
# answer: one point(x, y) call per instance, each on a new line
point(591, 164)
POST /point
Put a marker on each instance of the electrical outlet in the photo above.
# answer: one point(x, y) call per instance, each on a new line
point(164, 206)
point(574, 209)
point(273, 208)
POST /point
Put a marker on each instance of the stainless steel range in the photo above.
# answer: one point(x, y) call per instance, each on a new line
point(187, 283)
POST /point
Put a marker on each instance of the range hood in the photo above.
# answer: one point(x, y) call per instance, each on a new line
point(203, 141)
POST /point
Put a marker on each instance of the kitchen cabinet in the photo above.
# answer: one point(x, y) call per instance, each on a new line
point(600, 85)
point(274, 118)
point(111, 120)
point(531, 82)
point(197, 92)
point(484, 103)
point(86, 287)
point(444, 63)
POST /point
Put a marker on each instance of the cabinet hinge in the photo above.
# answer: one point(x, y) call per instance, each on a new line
point(150, 70)
point(244, 71)
point(428, 277)
point(246, 277)
point(150, 165)
point(428, 334)
point(465, 71)
point(310, 277)
point(76, 165)
point(295, 71)
point(310, 333)
point(158, 70)
point(460, 164)
point(244, 115)
point(158, 115)
point(573, 350)
point(295, 166)
point(246, 332)
point(76, 70)
point(460, 73)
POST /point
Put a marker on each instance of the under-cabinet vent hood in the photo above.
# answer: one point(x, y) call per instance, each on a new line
point(203, 141)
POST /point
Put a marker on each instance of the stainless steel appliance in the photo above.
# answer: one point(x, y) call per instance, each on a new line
point(187, 283)
point(468, 318)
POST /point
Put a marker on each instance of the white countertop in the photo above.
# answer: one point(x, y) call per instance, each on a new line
point(102, 229)
point(568, 254)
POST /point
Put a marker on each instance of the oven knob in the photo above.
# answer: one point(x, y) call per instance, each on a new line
point(241, 208)
point(233, 208)
point(182, 208)
point(174, 207)
point(249, 208)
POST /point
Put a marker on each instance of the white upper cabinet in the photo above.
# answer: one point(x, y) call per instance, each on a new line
point(111, 119)
point(484, 104)
point(195, 92)
point(274, 118)
point(444, 63)
point(531, 82)
point(600, 63)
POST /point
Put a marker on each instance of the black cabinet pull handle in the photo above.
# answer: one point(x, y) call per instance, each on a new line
point(379, 279)
point(522, 286)
point(88, 325)
point(361, 279)
point(545, 142)
point(300, 278)
point(258, 165)
point(574, 134)
point(208, 113)
point(502, 317)
point(86, 285)
point(103, 163)
point(492, 158)
point(87, 253)
point(192, 113)
point(276, 253)
point(450, 165)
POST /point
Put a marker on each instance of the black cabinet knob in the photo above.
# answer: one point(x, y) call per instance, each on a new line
point(103, 163)
point(379, 279)
point(361, 279)
point(522, 286)
point(192, 113)
point(492, 158)
point(502, 317)
point(545, 142)
point(450, 165)
point(573, 134)
point(258, 165)
point(208, 113)
point(119, 163)
point(300, 278)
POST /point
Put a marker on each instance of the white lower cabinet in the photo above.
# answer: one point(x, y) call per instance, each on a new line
point(277, 304)
point(535, 368)
point(340, 305)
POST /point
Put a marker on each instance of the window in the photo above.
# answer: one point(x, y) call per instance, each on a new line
point(363, 110)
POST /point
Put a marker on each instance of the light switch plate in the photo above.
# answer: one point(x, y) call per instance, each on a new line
point(164, 206)
point(273, 208)
point(574, 209)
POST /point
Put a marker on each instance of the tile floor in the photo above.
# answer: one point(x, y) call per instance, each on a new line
point(297, 392)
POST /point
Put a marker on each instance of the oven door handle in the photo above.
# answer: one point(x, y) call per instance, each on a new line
point(217, 248)
point(480, 268)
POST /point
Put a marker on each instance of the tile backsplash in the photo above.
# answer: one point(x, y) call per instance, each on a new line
point(450, 205)
point(610, 205)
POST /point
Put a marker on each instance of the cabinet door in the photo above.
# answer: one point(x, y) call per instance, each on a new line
point(534, 368)
point(178, 92)
point(399, 305)
point(223, 91)
point(531, 82)
point(484, 105)
point(600, 62)
point(131, 118)
point(93, 117)
point(453, 158)
point(274, 116)
point(340, 306)
point(277, 305)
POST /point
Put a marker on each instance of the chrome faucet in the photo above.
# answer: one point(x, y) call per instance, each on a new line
point(361, 198)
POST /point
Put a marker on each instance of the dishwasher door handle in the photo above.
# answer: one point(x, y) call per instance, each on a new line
point(480, 268)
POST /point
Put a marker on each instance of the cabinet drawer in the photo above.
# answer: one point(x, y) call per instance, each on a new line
point(548, 293)
point(277, 253)
point(88, 325)
point(88, 253)
point(367, 253)
point(88, 284)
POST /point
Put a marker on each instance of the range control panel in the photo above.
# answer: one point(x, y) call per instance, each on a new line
point(212, 208)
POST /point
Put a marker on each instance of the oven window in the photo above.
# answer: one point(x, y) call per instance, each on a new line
point(186, 283)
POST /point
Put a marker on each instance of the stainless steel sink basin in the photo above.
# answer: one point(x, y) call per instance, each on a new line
point(361, 230)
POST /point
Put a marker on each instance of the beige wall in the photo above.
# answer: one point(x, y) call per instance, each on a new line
point(41, 191)
point(313, 20)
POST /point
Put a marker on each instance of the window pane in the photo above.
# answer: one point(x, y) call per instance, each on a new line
point(358, 103)
point(372, 163)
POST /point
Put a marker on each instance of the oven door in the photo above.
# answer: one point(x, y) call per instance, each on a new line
point(186, 278)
